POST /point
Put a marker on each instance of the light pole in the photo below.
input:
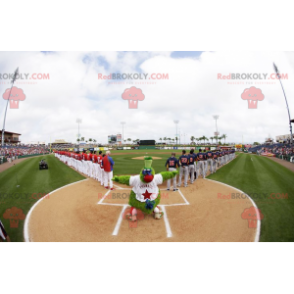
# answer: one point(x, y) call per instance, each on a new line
point(123, 123)
point(78, 122)
point(12, 82)
point(216, 118)
point(176, 122)
point(279, 77)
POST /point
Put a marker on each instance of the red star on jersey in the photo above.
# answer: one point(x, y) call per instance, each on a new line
point(147, 195)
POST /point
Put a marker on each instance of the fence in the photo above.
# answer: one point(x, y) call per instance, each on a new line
point(3, 160)
point(288, 157)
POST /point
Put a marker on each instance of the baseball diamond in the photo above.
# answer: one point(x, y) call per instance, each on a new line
point(146, 146)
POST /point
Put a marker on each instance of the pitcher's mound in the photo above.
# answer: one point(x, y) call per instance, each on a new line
point(142, 157)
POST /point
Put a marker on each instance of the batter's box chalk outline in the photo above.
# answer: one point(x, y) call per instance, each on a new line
point(115, 232)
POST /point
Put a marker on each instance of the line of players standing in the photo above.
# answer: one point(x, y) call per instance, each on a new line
point(90, 164)
point(195, 164)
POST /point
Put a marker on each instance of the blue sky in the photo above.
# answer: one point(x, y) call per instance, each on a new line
point(186, 54)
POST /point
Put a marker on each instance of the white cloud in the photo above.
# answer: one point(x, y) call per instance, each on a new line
point(192, 95)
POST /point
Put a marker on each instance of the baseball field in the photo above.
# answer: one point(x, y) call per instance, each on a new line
point(204, 211)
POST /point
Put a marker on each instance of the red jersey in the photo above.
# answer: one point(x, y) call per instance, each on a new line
point(99, 159)
point(95, 158)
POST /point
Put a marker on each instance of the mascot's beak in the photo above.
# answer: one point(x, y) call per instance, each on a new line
point(148, 178)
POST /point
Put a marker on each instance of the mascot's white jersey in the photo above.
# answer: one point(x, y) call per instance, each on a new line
point(143, 190)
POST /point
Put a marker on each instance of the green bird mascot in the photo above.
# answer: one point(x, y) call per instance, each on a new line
point(145, 194)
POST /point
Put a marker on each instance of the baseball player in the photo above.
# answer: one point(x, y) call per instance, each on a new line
point(3, 235)
point(171, 165)
point(102, 171)
point(183, 162)
point(108, 164)
point(214, 161)
point(99, 177)
point(90, 164)
point(200, 165)
point(219, 159)
point(95, 165)
point(191, 165)
point(210, 160)
point(223, 157)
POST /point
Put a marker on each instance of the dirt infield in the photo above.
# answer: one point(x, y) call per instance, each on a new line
point(85, 211)
point(142, 157)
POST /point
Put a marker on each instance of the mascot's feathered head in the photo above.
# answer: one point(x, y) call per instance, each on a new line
point(147, 173)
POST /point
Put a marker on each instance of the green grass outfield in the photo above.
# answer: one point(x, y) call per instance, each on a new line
point(249, 173)
point(259, 177)
point(31, 180)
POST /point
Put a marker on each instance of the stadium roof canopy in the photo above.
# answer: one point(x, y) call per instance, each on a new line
point(9, 133)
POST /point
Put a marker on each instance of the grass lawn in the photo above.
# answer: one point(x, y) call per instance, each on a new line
point(31, 180)
point(259, 177)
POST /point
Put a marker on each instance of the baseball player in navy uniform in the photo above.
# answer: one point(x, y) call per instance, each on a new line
point(183, 162)
point(209, 160)
point(228, 155)
point(171, 165)
point(214, 161)
point(205, 163)
point(219, 158)
point(223, 157)
point(191, 165)
point(200, 165)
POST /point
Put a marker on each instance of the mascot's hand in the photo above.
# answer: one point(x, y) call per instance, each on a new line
point(115, 179)
point(175, 172)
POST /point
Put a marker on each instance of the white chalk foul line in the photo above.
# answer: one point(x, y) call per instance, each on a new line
point(27, 219)
point(183, 197)
point(257, 235)
point(120, 218)
point(166, 222)
point(101, 200)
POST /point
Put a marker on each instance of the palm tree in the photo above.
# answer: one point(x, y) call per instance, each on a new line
point(211, 138)
point(160, 139)
point(220, 138)
point(90, 140)
point(164, 139)
point(94, 141)
point(224, 136)
point(83, 139)
point(203, 138)
point(177, 139)
point(192, 139)
point(129, 139)
point(78, 140)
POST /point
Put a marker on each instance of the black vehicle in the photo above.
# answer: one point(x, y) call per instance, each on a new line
point(43, 164)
